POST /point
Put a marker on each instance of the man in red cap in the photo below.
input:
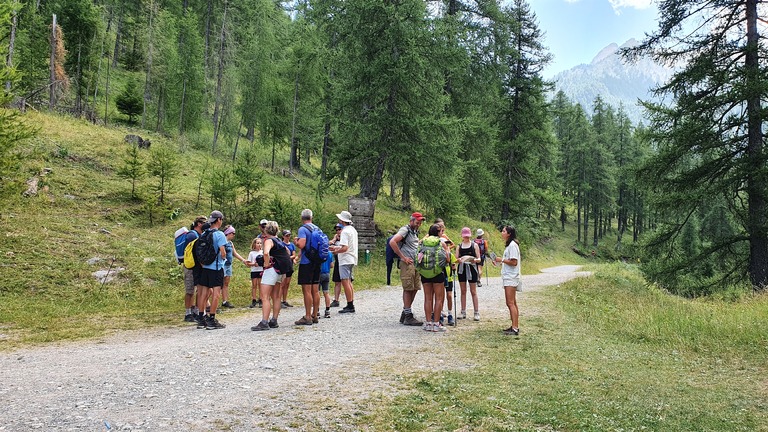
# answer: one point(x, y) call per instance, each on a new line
point(405, 244)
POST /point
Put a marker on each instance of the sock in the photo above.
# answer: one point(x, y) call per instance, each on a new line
point(265, 321)
point(212, 316)
point(189, 311)
point(200, 314)
point(327, 308)
point(407, 310)
point(350, 304)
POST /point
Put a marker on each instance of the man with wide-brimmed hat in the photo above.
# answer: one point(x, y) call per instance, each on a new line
point(346, 249)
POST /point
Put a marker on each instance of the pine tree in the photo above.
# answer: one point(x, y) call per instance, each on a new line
point(130, 101)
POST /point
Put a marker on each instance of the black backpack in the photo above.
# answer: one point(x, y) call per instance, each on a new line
point(205, 252)
point(281, 259)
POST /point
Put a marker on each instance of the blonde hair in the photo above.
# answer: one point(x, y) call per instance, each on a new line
point(272, 228)
point(254, 241)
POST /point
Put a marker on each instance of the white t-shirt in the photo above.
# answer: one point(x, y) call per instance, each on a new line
point(252, 258)
point(348, 238)
point(510, 252)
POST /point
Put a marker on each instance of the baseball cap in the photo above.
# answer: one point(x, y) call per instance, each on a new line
point(418, 216)
point(286, 232)
point(466, 232)
point(263, 222)
point(339, 226)
point(215, 215)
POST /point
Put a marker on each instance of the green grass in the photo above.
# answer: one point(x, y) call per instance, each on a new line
point(604, 353)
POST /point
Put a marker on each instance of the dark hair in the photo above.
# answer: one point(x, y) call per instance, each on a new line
point(198, 221)
point(512, 234)
point(434, 230)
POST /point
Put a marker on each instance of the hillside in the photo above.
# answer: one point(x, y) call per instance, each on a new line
point(615, 80)
point(83, 220)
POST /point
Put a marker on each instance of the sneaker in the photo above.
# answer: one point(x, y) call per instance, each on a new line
point(304, 321)
point(438, 328)
point(409, 320)
point(258, 303)
point(285, 304)
point(479, 283)
point(335, 303)
point(213, 324)
point(261, 326)
point(477, 316)
point(273, 323)
point(254, 303)
point(427, 326)
point(227, 304)
point(347, 309)
point(327, 314)
point(315, 320)
point(442, 319)
point(200, 321)
point(463, 315)
point(512, 331)
point(451, 322)
point(189, 318)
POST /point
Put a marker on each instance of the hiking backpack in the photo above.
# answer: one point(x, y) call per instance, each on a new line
point(481, 245)
point(180, 242)
point(317, 245)
point(204, 250)
point(280, 258)
point(432, 258)
point(189, 255)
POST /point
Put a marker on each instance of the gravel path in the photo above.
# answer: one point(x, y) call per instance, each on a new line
point(290, 378)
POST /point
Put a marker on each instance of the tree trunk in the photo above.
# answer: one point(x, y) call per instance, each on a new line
point(118, 37)
point(11, 45)
point(406, 199)
point(147, 94)
point(237, 142)
point(578, 215)
point(106, 96)
point(294, 150)
point(219, 80)
point(52, 84)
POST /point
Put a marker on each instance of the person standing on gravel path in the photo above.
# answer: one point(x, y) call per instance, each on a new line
point(405, 244)
point(212, 276)
point(510, 276)
point(309, 272)
point(229, 233)
point(346, 249)
point(270, 279)
point(469, 256)
point(191, 275)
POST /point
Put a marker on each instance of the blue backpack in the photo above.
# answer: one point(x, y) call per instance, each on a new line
point(180, 242)
point(316, 248)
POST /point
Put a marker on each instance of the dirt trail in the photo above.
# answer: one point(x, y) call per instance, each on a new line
point(288, 378)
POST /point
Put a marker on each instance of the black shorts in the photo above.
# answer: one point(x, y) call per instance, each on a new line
point(437, 279)
point(211, 278)
point(196, 272)
point(309, 274)
point(256, 274)
point(472, 274)
point(482, 260)
point(288, 274)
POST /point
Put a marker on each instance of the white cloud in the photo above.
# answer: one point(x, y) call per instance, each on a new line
point(618, 5)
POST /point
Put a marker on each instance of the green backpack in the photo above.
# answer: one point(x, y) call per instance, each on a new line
point(432, 258)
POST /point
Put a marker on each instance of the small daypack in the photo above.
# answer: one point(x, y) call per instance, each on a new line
point(280, 257)
point(432, 258)
point(189, 255)
point(481, 245)
point(180, 242)
point(205, 252)
point(316, 248)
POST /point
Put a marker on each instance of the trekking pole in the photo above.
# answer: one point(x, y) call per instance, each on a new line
point(103, 281)
point(486, 275)
point(455, 302)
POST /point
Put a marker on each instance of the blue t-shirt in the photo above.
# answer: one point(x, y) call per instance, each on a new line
point(219, 240)
point(325, 267)
point(305, 232)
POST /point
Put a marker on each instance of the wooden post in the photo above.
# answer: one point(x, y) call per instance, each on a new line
point(362, 210)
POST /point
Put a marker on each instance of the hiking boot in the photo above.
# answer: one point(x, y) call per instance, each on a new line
point(477, 316)
point(189, 318)
point(273, 323)
point(315, 320)
point(213, 324)
point(285, 304)
point(442, 319)
point(327, 314)
point(402, 317)
point(227, 305)
point(254, 303)
point(347, 309)
point(512, 331)
point(304, 321)
point(200, 320)
point(335, 303)
point(451, 322)
point(261, 326)
point(479, 283)
point(409, 320)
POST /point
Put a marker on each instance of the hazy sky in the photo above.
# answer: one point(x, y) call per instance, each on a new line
point(576, 30)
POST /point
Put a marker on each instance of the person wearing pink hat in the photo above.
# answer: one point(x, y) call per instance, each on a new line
point(469, 257)
point(405, 244)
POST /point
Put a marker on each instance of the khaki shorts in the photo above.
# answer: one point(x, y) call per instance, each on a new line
point(409, 277)
point(189, 281)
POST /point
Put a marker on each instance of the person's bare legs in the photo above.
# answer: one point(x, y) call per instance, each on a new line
point(429, 301)
point(510, 295)
point(306, 291)
point(266, 301)
point(473, 293)
point(315, 301)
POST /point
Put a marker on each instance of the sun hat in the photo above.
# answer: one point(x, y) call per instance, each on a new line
point(479, 232)
point(215, 215)
point(418, 216)
point(345, 216)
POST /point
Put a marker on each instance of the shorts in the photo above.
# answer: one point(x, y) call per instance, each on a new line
point(196, 272)
point(256, 274)
point(325, 279)
point(472, 274)
point(482, 260)
point(336, 277)
point(309, 274)
point(271, 277)
point(289, 274)
point(211, 278)
point(409, 277)
point(345, 271)
point(189, 281)
point(507, 281)
point(227, 271)
point(434, 280)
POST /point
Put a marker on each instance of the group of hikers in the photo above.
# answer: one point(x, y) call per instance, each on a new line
point(433, 262)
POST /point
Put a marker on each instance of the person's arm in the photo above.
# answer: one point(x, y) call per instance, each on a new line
point(267, 248)
point(237, 255)
point(396, 248)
